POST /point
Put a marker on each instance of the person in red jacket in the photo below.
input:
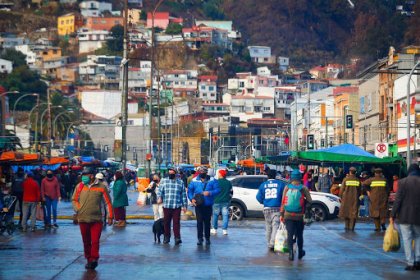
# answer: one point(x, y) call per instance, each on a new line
point(50, 192)
point(31, 196)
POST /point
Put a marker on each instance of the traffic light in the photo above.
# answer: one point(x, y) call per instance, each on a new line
point(349, 121)
point(310, 142)
point(322, 142)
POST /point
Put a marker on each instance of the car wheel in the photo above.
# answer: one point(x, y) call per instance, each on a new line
point(319, 213)
point(236, 212)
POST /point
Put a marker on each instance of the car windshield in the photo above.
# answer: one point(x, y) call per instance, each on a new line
point(248, 182)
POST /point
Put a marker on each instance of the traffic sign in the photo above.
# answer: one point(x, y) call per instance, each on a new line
point(381, 150)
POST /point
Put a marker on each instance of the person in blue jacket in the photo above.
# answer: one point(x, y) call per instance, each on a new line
point(209, 188)
point(270, 194)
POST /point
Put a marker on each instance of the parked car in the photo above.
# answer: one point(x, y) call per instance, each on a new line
point(245, 187)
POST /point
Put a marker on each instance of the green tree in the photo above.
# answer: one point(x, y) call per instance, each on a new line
point(173, 28)
point(15, 56)
point(116, 44)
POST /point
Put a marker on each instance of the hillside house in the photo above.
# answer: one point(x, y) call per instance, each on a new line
point(103, 23)
point(91, 40)
point(162, 20)
point(207, 88)
point(68, 24)
point(6, 66)
point(94, 8)
point(261, 54)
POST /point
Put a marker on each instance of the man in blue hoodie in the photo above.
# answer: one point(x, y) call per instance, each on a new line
point(209, 188)
point(270, 194)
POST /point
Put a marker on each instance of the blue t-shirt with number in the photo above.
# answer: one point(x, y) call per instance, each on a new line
point(270, 193)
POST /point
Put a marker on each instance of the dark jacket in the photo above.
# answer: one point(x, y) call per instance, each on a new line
point(407, 201)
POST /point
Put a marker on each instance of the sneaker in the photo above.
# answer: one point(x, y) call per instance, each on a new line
point(166, 240)
point(200, 242)
point(54, 226)
point(24, 229)
point(213, 231)
point(208, 242)
point(178, 241)
point(33, 229)
point(225, 232)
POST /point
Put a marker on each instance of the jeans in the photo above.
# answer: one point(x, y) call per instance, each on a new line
point(170, 214)
point(157, 211)
point(294, 230)
point(91, 234)
point(366, 203)
point(28, 208)
point(272, 222)
point(224, 208)
point(410, 233)
point(51, 203)
point(203, 215)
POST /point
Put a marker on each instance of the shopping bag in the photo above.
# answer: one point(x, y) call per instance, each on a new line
point(39, 212)
point(391, 239)
point(280, 244)
point(141, 200)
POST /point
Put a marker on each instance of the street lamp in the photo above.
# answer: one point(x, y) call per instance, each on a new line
point(42, 116)
point(408, 114)
point(56, 118)
point(14, 107)
point(36, 122)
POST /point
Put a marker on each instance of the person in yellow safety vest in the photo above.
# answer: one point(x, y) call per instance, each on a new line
point(377, 190)
point(349, 193)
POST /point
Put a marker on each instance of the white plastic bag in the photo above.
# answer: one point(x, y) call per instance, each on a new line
point(141, 200)
point(280, 244)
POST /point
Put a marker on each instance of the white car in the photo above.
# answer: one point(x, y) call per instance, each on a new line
point(244, 202)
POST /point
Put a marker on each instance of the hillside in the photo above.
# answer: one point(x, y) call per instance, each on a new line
point(311, 31)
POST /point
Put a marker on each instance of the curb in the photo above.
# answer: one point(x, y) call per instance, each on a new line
point(128, 217)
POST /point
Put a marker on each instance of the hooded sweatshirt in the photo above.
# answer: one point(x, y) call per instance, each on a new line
point(50, 187)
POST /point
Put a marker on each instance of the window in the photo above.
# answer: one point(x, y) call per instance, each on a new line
point(203, 87)
point(204, 94)
point(249, 182)
point(211, 88)
point(266, 108)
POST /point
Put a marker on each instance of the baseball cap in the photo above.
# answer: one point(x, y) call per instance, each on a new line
point(99, 176)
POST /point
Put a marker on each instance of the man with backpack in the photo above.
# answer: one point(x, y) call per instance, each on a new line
point(296, 200)
point(270, 194)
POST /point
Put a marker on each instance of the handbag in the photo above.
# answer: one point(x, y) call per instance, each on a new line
point(280, 243)
point(391, 239)
point(39, 212)
point(199, 197)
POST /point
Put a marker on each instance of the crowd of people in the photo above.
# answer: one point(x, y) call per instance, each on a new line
point(285, 201)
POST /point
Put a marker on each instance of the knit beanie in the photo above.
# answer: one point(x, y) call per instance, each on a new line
point(296, 175)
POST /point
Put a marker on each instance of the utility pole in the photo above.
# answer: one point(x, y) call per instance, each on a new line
point(152, 68)
point(49, 121)
point(326, 133)
point(36, 125)
point(124, 95)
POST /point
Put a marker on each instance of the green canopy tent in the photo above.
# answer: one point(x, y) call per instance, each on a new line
point(348, 155)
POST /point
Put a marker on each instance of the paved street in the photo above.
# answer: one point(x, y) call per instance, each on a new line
point(130, 253)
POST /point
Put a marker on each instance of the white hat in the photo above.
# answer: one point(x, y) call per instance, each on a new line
point(99, 176)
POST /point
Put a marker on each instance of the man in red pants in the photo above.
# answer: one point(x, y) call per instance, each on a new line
point(87, 198)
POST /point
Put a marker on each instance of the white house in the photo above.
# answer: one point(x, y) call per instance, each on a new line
point(251, 106)
point(283, 63)
point(261, 54)
point(91, 40)
point(6, 66)
point(94, 8)
point(207, 88)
